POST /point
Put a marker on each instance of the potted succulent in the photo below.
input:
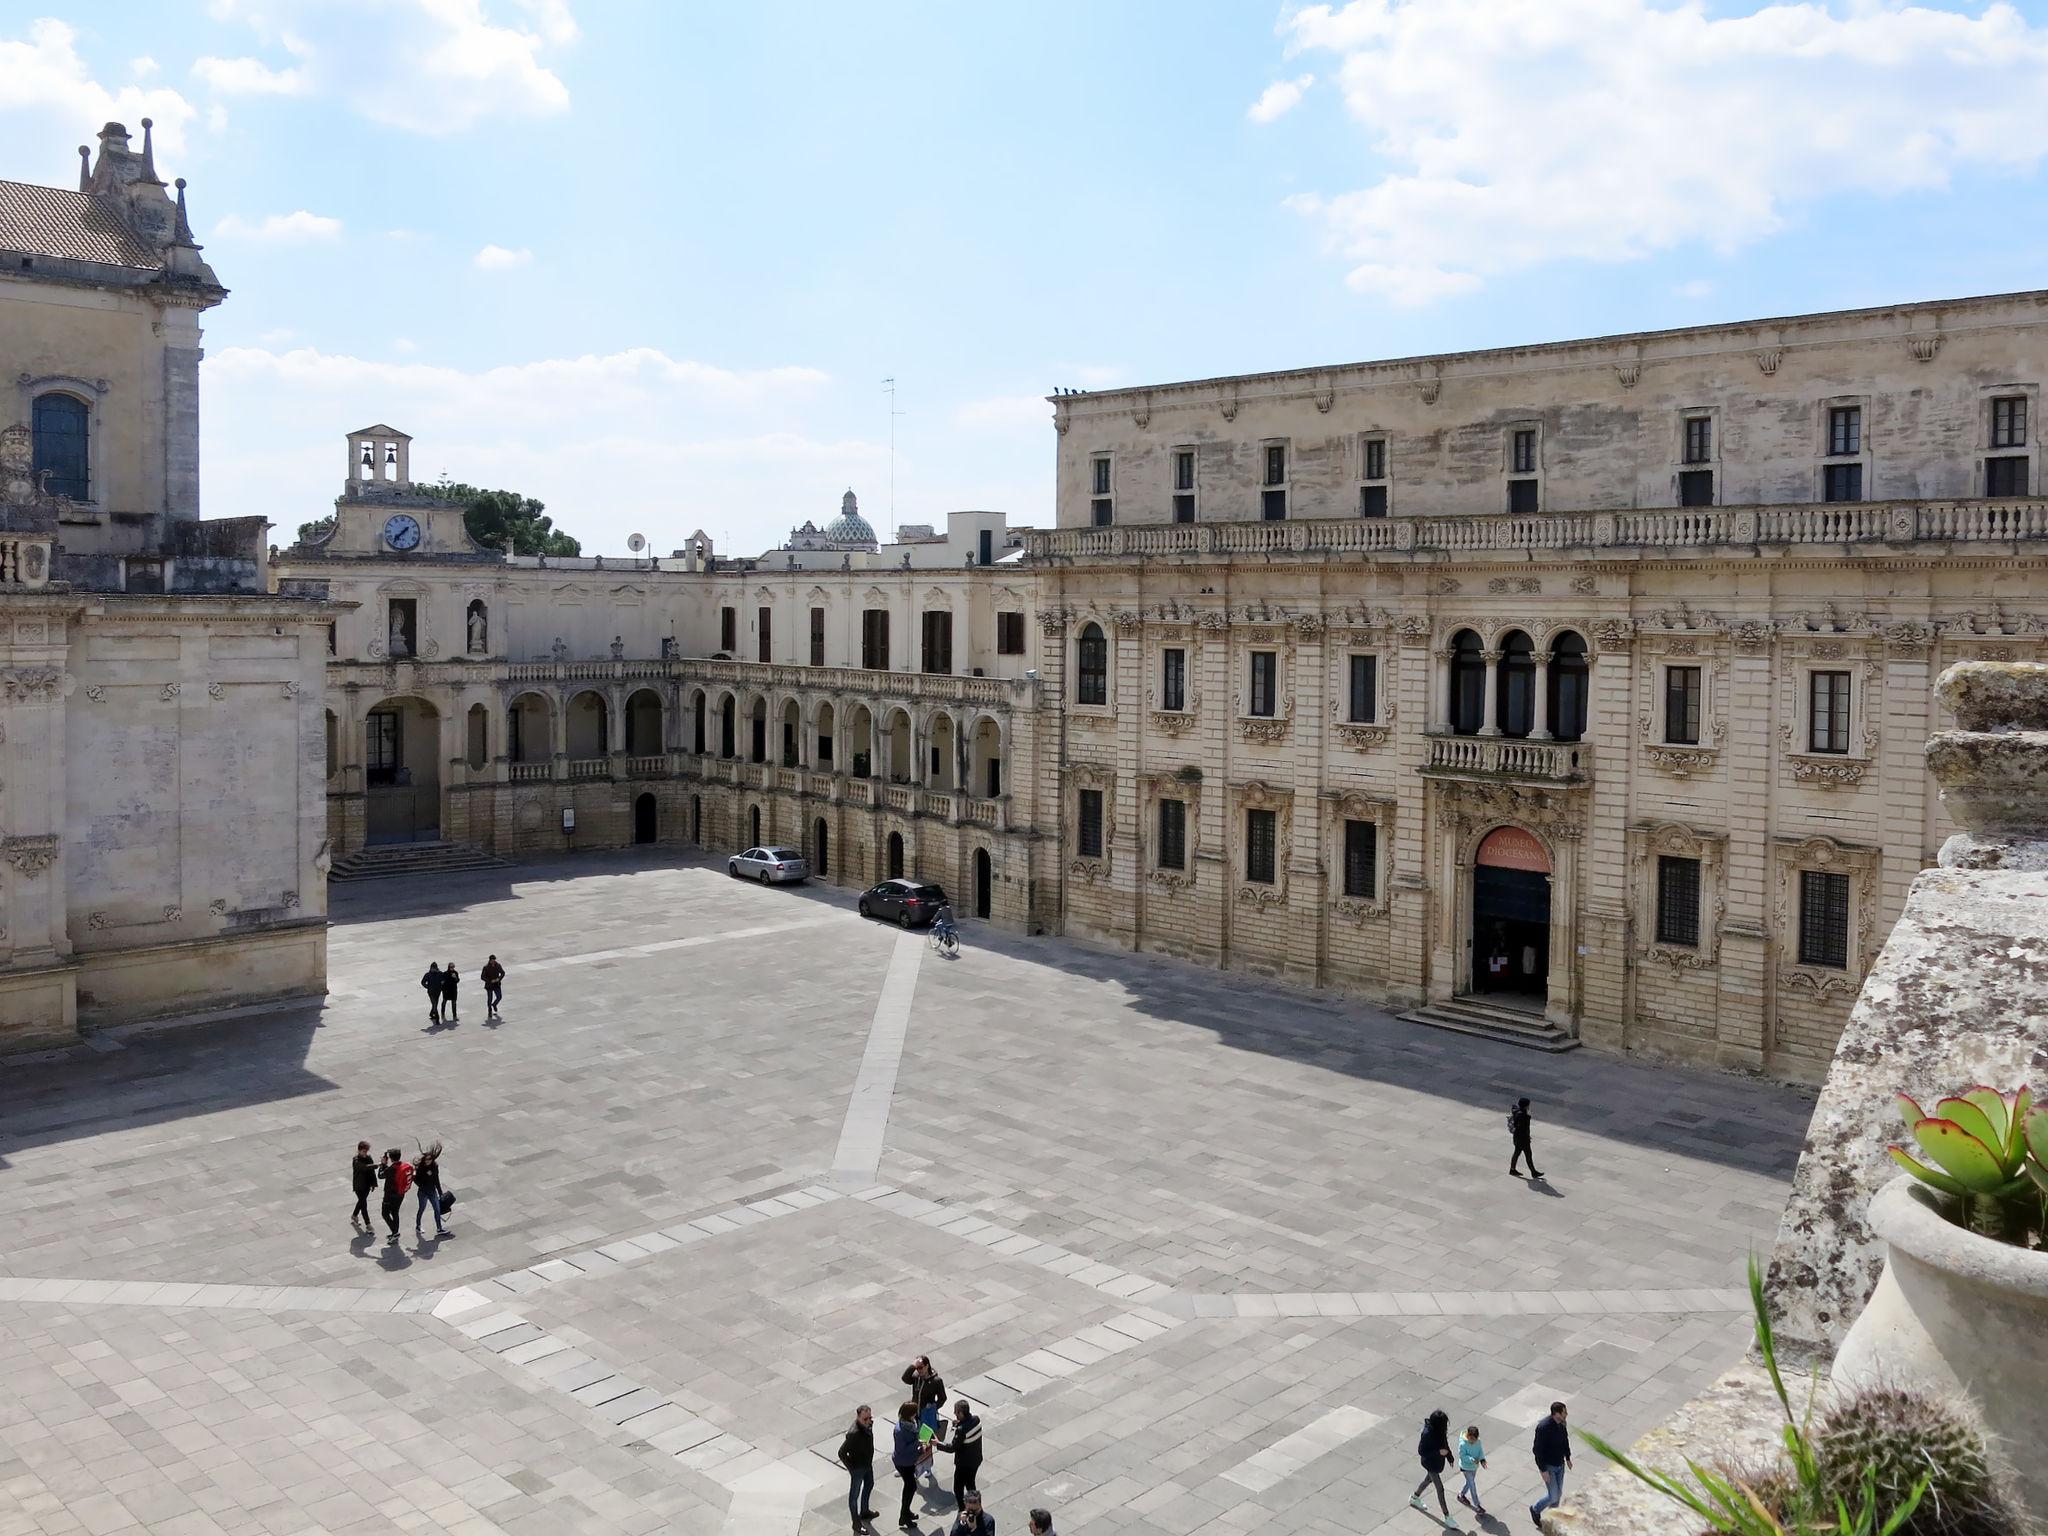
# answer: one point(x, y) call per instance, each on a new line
point(1963, 1300)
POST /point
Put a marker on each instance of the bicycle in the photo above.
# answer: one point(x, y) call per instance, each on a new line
point(945, 941)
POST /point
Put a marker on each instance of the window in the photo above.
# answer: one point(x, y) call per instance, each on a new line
point(1260, 834)
point(1828, 727)
point(1824, 919)
point(381, 749)
point(2009, 421)
point(1265, 683)
point(1184, 485)
point(1091, 823)
point(1273, 501)
point(1173, 834)
point(1365, 680)
point(1010, 634)
point(1522, 497)
point(1678, 901)
point(728, 630)
point(1091, 667)
point(1361, 858)
point(1842, 482)
point(1696, 488)
point(1372, 501)
point(817, 637)
point(938, 640)
point(1569, 679)
point(1845, 430)
point(1699, 439)
point(763, 650)
point(2005, 477)
point(1515, 685)
point(60, 445)
point(874, 639)
point(1682, 705)
point(1101, 504)
point(1173, 678)
point(1468, 684)
point(1522, 452)
point(1375, 458)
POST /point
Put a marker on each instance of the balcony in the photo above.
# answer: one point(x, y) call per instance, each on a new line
point(1508, 759)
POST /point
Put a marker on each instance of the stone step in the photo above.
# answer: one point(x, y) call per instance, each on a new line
point(1513, 1026)
point(387, 860)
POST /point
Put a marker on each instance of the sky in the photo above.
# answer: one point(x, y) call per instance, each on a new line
point(651, 261)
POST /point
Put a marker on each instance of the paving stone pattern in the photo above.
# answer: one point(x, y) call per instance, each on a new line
point(1206, 1250)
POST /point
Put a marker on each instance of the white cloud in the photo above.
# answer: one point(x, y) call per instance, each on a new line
point(142, 67)
point(633, 439)
point(1004, 412)
point(496, 258)
point(249, 77)
point(404, 346)
point(1606, 130)
point(1698, 288)
point(1279, 99)
point(279, 228)
point(41, 74)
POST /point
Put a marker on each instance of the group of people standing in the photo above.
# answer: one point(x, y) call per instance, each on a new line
point(919, 1434)
point(399, 1177)
point(443, 983)
point(1551, 1447)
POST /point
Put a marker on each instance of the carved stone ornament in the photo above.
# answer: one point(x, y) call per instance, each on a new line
point(1585, 586)
point(1752, 635)
point(1682, 762)
point(1173, 722)
point(1613, 634)
point(1308, 626)
point(1501, 585)
point(1127, 621)
point(1432, 389)
point(1171, 879)
point(218, 907)
point(1088, 871)
point(1215, 623)
point(1923, 348)
point(96, 692)
point(1679, 958)
point(32, 685)
point(1356, 909)
point(32, 855)
point(289, 901)
point(1141, 413)
point(1446, 586)
point(1767, 360)
point(1908, 636)
point(1262, 728)
point(1413, 630)
point(216, 690)
point(96, 921)
point(1052, 621)
point(1628, 373)
point(173, 915)
point(1827, 772)
point(1362, 738)
point(1228, 406)
point(170, 691)
point(291, 690)
point(1260, 897)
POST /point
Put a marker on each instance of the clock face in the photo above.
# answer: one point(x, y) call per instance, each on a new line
point(402, 532)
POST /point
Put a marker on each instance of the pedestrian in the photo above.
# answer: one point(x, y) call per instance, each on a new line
point(1471, 1457)
point(426, 1178)
point(362, 1175)
point(450, 980)
point(971, 1521)
point(396, 1173)
point(1434, 1451)
point(904, 1456)
point(1553, 1449)
point(1518, 1128)
point(857, 1455)
point(928, 1391)
point(493, 978)
point(432, 981)
point(965, 1449)
point(1041, 1522)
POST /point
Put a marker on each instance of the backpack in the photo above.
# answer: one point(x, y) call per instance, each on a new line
point(403, 1178)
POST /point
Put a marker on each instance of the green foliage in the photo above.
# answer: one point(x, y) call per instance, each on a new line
point(1805, 1505)
point(1900, 1440)
point(317, 529)
point(1988, 1152)
point(492, 517)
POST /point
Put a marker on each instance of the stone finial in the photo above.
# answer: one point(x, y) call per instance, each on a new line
point(182, 235)
point(85, 167)
point(1993, 770)
point(148, 151)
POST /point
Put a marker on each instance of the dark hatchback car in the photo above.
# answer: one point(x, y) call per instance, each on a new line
point(909, 902)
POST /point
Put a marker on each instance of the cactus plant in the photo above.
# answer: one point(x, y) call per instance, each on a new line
point(1989, 1151)
point(1895, 1440)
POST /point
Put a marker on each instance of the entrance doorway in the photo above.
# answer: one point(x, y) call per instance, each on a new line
point(895, 856)
point(697, 820)
point(401, 770)
point(754, 826)
point(1511, 917)
point(644, 819)
point(821, 852)
point(984, 883)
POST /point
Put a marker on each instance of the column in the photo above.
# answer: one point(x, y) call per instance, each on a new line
point(1542, 731)
point(1489, 724)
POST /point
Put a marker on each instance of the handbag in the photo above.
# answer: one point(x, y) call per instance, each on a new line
point(447, 1201)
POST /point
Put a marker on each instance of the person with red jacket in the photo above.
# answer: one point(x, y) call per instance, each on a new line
point(396, 1174)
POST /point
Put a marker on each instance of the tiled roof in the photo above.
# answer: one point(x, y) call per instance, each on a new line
point(49, 221)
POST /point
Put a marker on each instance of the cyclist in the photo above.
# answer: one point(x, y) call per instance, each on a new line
point(943, 933)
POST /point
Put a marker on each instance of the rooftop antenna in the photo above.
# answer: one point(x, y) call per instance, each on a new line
point(889, 389)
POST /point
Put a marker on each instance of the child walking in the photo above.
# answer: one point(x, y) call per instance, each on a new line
point(1471, 1457)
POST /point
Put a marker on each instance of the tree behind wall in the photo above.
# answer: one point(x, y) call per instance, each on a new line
point(491, 517)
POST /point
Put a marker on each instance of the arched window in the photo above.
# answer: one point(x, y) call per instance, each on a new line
point(60, 446)
point(1091, 666)
point(1568, 679)
point(697, 719)
point(1468, 684)
point(1516, 704)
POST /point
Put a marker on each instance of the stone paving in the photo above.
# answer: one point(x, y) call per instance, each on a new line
point(1207, 1250)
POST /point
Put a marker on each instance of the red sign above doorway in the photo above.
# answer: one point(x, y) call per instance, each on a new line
point(1512, 848)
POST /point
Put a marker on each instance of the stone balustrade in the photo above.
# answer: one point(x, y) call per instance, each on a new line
point(1887, 523)
point(1509, 757)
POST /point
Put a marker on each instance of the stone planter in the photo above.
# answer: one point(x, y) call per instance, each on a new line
point(1957, 1312)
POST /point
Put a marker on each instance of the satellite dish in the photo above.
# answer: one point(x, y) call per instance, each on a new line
point(636, 543)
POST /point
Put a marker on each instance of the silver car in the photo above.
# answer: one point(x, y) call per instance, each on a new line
point(770, 866)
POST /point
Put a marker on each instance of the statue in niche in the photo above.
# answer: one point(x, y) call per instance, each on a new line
point(618, 648)
point(479, 630)
point(396, 643)
point(560, 649)
point(669, 649)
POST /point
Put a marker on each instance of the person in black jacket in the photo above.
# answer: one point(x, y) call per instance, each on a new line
point(493, 978)
point(965, 1449)
point(1553, 1450)
point(363, 1178)
point(426, 1181)
point(432, 982)
point(450, 980)
point(1434, 1450)
point(1518, 1131)
point(903, 1456)
point(928, 1391)
point(857, 1455)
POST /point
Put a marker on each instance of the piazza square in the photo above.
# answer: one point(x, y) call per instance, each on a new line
point(1203, 1251)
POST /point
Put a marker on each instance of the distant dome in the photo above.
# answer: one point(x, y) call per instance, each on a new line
point(849, 527)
